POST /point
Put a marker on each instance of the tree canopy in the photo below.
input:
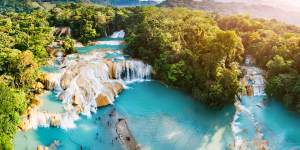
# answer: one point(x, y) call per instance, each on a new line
point(276, 48)
point(188, 50)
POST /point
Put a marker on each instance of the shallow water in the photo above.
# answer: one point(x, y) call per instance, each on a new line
point(49, 69)
point(97, 47)
point(159, 117)
point(279, 126)
point(51, 103)
point(164, 118)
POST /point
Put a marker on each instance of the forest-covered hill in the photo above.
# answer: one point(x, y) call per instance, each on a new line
point(232, 8)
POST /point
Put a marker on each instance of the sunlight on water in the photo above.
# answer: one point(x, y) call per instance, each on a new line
point(163, 118)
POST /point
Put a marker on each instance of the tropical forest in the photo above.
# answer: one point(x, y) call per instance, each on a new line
point(149, 75)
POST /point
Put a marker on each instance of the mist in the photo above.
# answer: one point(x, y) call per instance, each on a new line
point(288, 5)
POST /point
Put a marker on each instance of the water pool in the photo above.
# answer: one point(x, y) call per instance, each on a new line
point(159, 117)
point(163, 118)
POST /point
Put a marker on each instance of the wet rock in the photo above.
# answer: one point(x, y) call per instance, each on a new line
point(118, 87)
point(102, 100)
point(111, 69)
point(125, 135)
point(51, 51)
point(47, 81)
point(54, 145)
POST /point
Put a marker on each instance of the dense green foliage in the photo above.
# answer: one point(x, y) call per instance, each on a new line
point(187, 50)
point(276, 48)
point(13, 103)
point(23, 38)
point(192, 50)
point(68, 46)
point(87, 21)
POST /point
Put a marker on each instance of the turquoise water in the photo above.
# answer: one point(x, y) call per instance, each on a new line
point(86, 49)
point(84, 135)
point(279, 126)
point(49, 69)
point(159, 117)
point(163, 118)
point(51, 103)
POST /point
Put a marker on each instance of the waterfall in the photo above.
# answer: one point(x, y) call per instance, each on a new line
point(86, 82)
point(119, 34)
point(132, 71)
point(253, 79)
point(235, 127)
point(89, 82)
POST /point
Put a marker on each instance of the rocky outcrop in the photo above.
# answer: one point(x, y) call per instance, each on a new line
point(113, 88)
point(62, 31)
point(38, 87)
point(83, 83)
point(47, 81)
point(35, 118)
point(125, 135)
point(36, 101)
point(102, 100)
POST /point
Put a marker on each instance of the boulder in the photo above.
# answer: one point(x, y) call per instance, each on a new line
point(102, 100)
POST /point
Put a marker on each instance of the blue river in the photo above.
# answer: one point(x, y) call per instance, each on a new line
point(164, 118)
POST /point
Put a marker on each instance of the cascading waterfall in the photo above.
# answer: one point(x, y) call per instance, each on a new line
point(256, 81)
point(132, 71)
point(88, 81)
point(119, 34)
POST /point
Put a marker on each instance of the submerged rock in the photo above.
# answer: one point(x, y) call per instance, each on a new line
point(125, 135)
point(54, 145)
